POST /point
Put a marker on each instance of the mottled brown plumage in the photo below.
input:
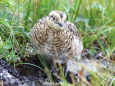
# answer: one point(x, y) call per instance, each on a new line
point(57, 38)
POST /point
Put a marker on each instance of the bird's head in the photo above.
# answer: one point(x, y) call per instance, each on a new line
point(55, 19)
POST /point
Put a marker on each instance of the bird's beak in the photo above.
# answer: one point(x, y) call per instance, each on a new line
point(60, 24)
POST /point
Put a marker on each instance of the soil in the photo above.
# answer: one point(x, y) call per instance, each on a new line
point(28, 73)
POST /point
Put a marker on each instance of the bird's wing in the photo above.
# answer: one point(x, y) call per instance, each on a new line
point(72, 28)
point(76, 42)
point(38, 33)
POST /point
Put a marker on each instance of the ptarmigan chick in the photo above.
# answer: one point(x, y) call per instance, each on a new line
point(56, 38)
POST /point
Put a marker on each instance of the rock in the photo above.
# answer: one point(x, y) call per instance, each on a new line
point(84, 67)
point(7, 79)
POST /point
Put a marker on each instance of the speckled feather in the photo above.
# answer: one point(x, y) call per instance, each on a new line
point(60, 44)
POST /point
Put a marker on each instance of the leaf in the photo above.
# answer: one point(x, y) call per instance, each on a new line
point(62, 83)
point(88, 40)
point(112, 38)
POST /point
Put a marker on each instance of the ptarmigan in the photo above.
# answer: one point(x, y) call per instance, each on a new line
point(56, 38)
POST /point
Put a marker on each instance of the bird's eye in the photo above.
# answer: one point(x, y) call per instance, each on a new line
point(61, 15)
point(53, 17)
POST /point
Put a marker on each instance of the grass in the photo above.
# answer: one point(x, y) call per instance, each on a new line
point(95, 20)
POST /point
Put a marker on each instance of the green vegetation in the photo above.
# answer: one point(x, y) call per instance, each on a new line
point(95, 20)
